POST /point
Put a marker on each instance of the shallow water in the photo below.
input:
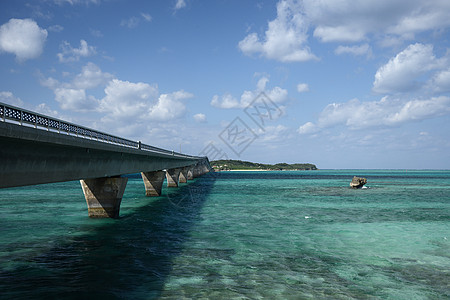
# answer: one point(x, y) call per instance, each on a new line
point(234, 235)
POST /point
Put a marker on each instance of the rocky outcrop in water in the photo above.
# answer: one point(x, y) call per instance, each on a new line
point(358, 182)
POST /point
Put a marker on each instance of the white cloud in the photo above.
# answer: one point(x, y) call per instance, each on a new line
point(69, 53)
point(132, 22)
point(49, 82)
point(307, 128)
point(128, 100)
point(124, 102)
point(9, 98)
point(226, 101)
point(402, 72)
point(96, 33)
point(180, 4)
point(91, 76)
point(75, 2)
point(72, 95)
point(339, 33)
point(277, 95)
point(23, 38)
point(286, 37)
point(147, 17)
point(169, 106)
point(353, 21)
point(75, 99)
point(354, 50)
point(388, 22)
point(417, 110)
point(262, 82)
point(424, 16)
point(273, 134)
point(56, 28)
point(200, 118)
point(302, 87)
point(441, 81)
point(43, 108)
point(384, 113)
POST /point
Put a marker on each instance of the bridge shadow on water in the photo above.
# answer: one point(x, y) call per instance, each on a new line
point(128, 258)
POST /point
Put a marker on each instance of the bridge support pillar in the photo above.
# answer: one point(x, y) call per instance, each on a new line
point(183, 175)
point(198, 171)
point(103, 196)
point(173, 176)
point(153, 182)
point(190, 173)
point(195, 172)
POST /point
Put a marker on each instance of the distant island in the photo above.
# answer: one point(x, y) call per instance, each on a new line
point(230, 164)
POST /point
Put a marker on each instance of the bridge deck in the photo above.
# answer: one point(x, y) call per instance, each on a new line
point(30, 155)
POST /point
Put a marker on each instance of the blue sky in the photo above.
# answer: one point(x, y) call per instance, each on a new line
point(342, 84)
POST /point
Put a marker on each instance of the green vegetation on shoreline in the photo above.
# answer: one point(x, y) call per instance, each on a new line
point(230, 164)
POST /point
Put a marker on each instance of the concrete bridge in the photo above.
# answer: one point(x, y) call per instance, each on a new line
point(36, 149)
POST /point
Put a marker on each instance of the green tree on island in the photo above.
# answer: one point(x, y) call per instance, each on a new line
point(230, 164)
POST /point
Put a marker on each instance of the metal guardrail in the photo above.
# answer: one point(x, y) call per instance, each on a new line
point(38, 121)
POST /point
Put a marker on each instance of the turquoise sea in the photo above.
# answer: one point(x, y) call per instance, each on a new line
point(234, 235)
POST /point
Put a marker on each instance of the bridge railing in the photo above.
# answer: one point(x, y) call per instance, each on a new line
point(9, 113)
